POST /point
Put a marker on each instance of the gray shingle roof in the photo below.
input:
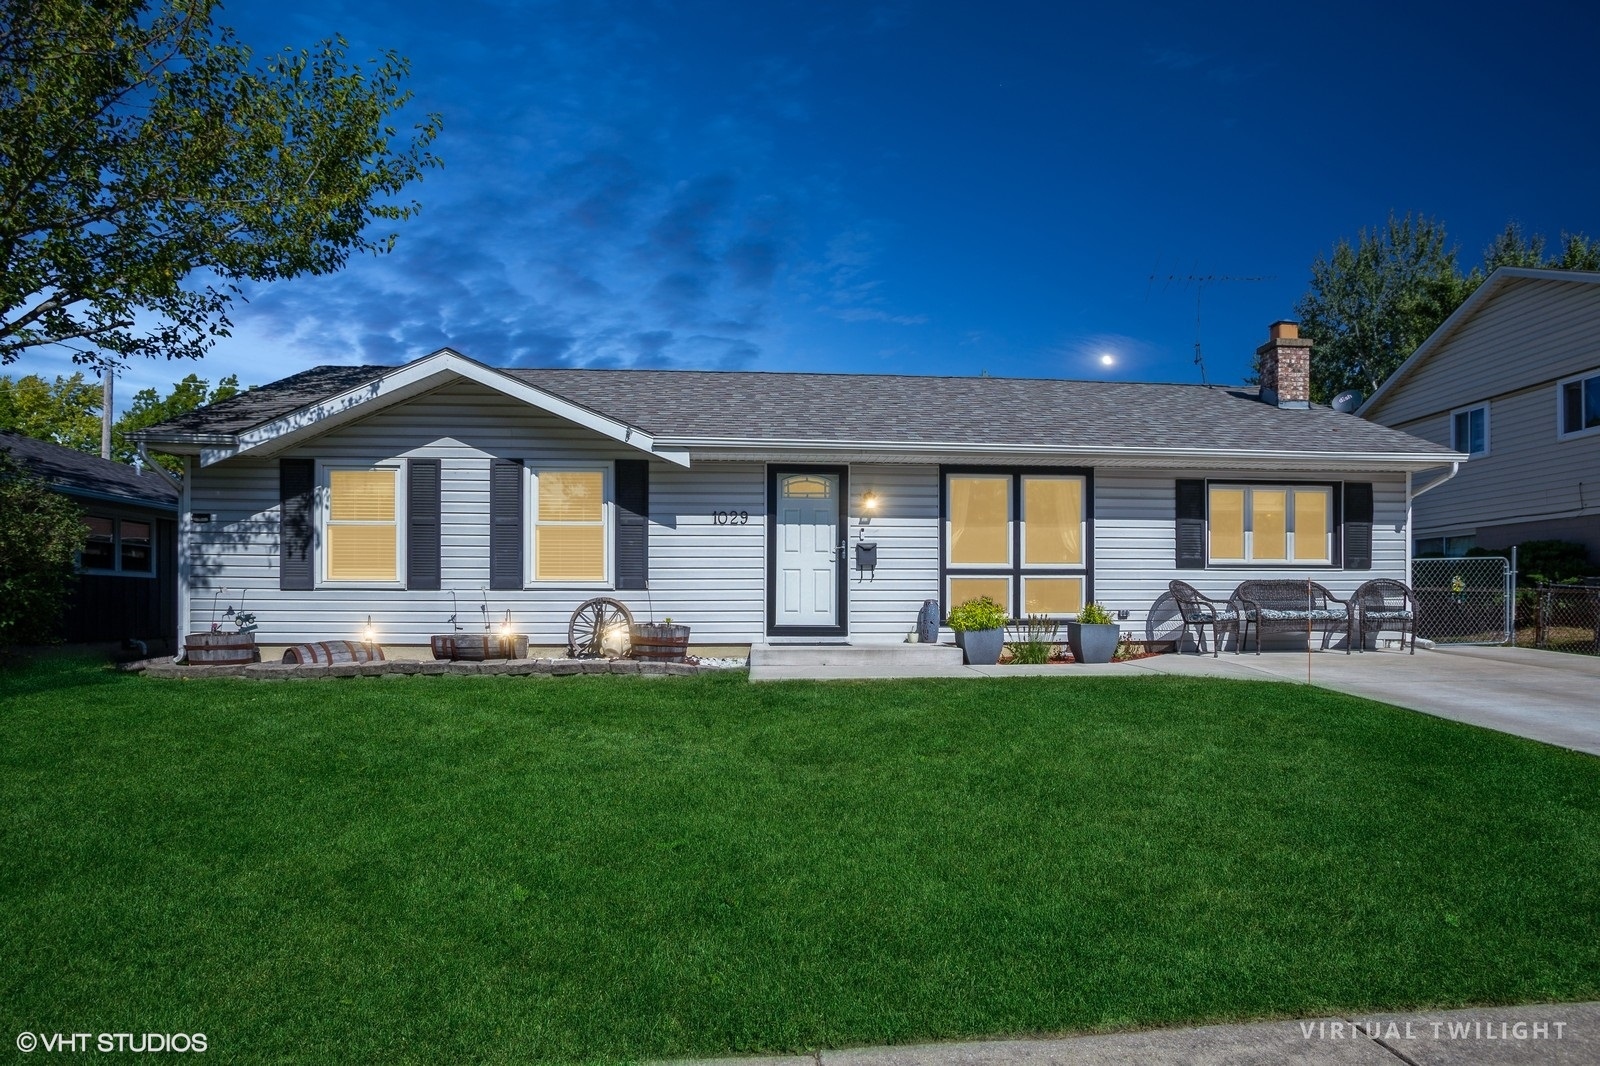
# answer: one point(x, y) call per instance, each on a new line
point(760, 406)
point(73, 471)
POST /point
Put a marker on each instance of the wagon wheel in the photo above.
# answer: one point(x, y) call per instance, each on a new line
point(596, 623)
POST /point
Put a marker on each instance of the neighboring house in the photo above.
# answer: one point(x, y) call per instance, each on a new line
point(1512, 378)
point(732, 501)
point(128, 570)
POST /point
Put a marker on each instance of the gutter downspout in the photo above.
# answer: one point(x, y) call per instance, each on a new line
point(183, 544)
point(1455, 468)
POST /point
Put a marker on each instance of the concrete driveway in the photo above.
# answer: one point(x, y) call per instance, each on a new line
point(1543, 695)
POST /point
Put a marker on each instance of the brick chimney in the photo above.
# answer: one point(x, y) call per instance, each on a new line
point(1285, 363)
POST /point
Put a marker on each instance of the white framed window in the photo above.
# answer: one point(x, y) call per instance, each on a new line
point(1269, 524)
point(1578, 405)
point(123, 546)
point(570, 524)
point(1469, 429)
point(361, 511)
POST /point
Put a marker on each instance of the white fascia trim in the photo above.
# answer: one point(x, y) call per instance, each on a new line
point(413, 379)
point(1469, 307)
point(1413, 460)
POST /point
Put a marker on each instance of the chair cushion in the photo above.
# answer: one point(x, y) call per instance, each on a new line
point(1203, 615)
point(1387, 615)
point(1320, 614)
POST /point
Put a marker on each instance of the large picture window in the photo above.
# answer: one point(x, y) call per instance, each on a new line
point(1263, 524)
point(1018, 537)
point(361, 523)
point(570, 542)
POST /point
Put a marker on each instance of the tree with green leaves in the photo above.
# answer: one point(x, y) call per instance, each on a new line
point(65, 411)
point(1372, 303)
point(150, 165)
point(41, 533)
point(150, 408)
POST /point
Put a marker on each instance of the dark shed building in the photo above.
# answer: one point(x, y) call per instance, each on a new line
point(128, 570)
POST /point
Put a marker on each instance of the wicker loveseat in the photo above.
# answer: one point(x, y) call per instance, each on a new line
point(1288, 604)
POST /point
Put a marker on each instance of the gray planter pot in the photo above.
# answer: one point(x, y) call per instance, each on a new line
point(1093, 643)
point(981, 646)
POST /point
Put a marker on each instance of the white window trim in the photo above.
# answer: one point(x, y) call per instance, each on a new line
point(530, 520)
point(1467, 410)
point(1083, 524)
point(324, 468)
point(1011, 520)
point(116, 570)
point(1291, 562)
point(1561, 407)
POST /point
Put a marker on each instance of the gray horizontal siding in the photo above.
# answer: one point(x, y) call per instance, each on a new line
point(1532, 332)
point(884, 605)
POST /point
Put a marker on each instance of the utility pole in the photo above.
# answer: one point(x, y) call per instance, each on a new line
point(108, 374)
point(1200, 281)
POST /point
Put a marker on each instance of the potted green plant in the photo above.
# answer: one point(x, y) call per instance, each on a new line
point(980, 628)
point(1094, 635)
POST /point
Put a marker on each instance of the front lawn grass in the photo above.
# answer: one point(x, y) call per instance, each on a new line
point(458, 869)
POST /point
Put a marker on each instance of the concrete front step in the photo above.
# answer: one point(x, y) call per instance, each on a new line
point(889, 656)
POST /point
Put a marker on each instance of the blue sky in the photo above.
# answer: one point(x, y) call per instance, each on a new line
point(907, 187)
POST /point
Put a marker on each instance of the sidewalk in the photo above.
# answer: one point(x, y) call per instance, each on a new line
point(1488, 1036)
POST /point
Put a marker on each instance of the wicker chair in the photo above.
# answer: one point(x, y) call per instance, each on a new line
point(1199, 610)
point(1380, 604)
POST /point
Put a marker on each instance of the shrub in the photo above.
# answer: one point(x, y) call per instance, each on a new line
point(1035, 640)
point(41, 533)
point(1095, 615)
point(981, 613)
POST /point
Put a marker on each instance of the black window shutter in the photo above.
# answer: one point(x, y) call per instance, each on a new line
point(1190, 532)
point(297, 557)
point(1358, 525)
point(633, 523)
point(422, 524)
point(505, 524)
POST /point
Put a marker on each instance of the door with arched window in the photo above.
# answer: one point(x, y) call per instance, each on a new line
point(805, 572)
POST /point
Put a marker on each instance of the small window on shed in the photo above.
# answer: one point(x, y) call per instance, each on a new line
point(100, 549)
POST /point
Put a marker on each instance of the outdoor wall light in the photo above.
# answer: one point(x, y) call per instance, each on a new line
point(869, 501)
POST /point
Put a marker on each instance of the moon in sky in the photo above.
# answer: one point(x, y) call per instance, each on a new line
point(1107, 359)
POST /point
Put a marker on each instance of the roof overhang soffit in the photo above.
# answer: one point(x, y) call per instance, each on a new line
point(412, 380)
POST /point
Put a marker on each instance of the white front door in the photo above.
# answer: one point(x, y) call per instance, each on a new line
point(806, 574)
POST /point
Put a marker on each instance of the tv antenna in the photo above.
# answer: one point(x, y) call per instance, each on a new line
point(1200, 281)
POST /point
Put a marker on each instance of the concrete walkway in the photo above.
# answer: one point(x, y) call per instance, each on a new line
point(1492, 1036)
point(1547, 696)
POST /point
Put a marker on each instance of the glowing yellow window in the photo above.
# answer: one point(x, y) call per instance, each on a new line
point(997, 589)
point(1052, 521)
point(1227, 524)
point(980, 520)
point(1313, 526)
point(569, 536)
point(362, 530)
point(1269, 525)
point(1053, 596)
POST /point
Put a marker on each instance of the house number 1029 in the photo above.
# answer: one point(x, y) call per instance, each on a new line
point(730, 518)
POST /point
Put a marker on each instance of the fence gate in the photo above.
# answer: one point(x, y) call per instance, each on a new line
point(1464, 601)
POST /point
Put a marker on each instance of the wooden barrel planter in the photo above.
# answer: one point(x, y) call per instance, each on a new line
point(659, 642)
point(476, 647)
point(220, 649)
point(327, 652)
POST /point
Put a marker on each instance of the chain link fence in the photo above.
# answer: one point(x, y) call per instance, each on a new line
point(1560, 617)
point(1464, 601)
